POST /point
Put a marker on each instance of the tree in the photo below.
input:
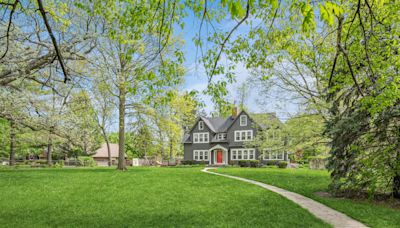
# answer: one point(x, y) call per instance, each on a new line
point(104, 109)
point(306, 135)
point(137, 59)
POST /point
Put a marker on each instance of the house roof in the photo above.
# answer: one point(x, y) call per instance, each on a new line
point(218, 124)
point(221, 124)
point(102, 152)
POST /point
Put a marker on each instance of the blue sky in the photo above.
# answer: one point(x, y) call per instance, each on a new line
point(196, 79)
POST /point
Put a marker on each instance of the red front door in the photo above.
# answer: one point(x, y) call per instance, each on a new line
point(219, 156)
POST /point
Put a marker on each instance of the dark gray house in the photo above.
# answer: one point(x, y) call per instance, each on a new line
point(217, 141)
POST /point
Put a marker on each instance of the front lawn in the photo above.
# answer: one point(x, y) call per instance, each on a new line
point(307, 182)
point(140, 197)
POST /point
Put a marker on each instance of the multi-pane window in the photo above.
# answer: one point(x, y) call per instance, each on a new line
point(202, 137)
point(221, 136)
point(273, 155)
point(243, 120)
point(243, 154)
point(200, 155)
point(245, 135)
point(201, 125)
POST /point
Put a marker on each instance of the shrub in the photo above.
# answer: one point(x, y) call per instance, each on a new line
point(188, 162)
point(271, 162)
point(282, 164)
point(86, 161)
point(254, 163)
point(233, 163)
point(244, 163)
point(59, 164)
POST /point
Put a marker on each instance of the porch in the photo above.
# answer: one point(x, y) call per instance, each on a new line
point(218, 156)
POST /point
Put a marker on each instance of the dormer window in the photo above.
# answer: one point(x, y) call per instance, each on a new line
point(221, 136)
point(201, 125)
point(243, 120)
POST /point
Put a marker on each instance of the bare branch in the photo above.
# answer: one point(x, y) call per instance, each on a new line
point(14, 5)
point(53, 39)
point(226, 40)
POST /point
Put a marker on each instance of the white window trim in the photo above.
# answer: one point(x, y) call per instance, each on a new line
point(245, 120)
point(202, 134)
point(201, 125)
point(203, 152)
point(245, 134)
point(241, 151)
point(221, 136)
point(271, 152)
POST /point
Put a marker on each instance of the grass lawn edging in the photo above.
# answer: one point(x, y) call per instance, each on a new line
point(307, 182)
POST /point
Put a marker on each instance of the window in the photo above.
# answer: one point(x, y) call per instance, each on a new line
point(273, 155)
point(243, 154)
point(245, 135)
point(221, 136)
point(201, 125)
point(200, 155)
point(243, 120)
point(200, 137)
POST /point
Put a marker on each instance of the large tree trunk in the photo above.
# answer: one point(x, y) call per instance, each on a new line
point(12, 143)
point(396, 186)
point(121, 133)
point(49, 149)
point(109, 152)
point(170, 149)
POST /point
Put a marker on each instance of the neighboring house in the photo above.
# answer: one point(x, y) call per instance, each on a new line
point(101, 155)
point(217, 141)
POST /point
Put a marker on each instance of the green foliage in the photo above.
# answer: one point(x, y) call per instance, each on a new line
point(308, 182)
point(282, 164)
point(59, 164)
point(271, 162)
point(248, 163)
point(188, 162)
point(86, 161)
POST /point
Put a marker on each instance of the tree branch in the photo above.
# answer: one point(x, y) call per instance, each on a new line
point(226, 40)
point(53, 39)
point(14, 5)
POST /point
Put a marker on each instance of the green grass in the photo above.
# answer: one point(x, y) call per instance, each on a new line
point(307, 182)
point(140, 197)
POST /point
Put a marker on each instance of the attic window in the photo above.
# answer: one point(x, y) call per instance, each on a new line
point(201, 125)
point(221, 136)
point(243, 120)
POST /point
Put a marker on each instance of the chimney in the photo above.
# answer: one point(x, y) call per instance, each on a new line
point(234, 111)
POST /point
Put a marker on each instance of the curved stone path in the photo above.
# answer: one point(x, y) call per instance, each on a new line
point(327, 214)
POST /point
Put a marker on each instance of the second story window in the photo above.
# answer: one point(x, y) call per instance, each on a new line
point(246, 135)
point(243, 120)
point(200, 137)
point(221, 136)
point(201, 125)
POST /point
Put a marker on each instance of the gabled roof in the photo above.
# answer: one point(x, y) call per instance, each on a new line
point(218, 124)
point(221, 124)
point(102, 152)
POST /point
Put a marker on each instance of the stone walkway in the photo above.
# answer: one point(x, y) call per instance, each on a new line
point(327, 214)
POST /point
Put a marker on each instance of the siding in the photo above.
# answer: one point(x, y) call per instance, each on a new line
point(189, 147)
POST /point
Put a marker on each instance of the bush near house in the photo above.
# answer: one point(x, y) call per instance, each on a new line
point(188, 162)
point(233, 163)
point(272, 162)
point(86, 161)
point(282, 164)
point(248, 163)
